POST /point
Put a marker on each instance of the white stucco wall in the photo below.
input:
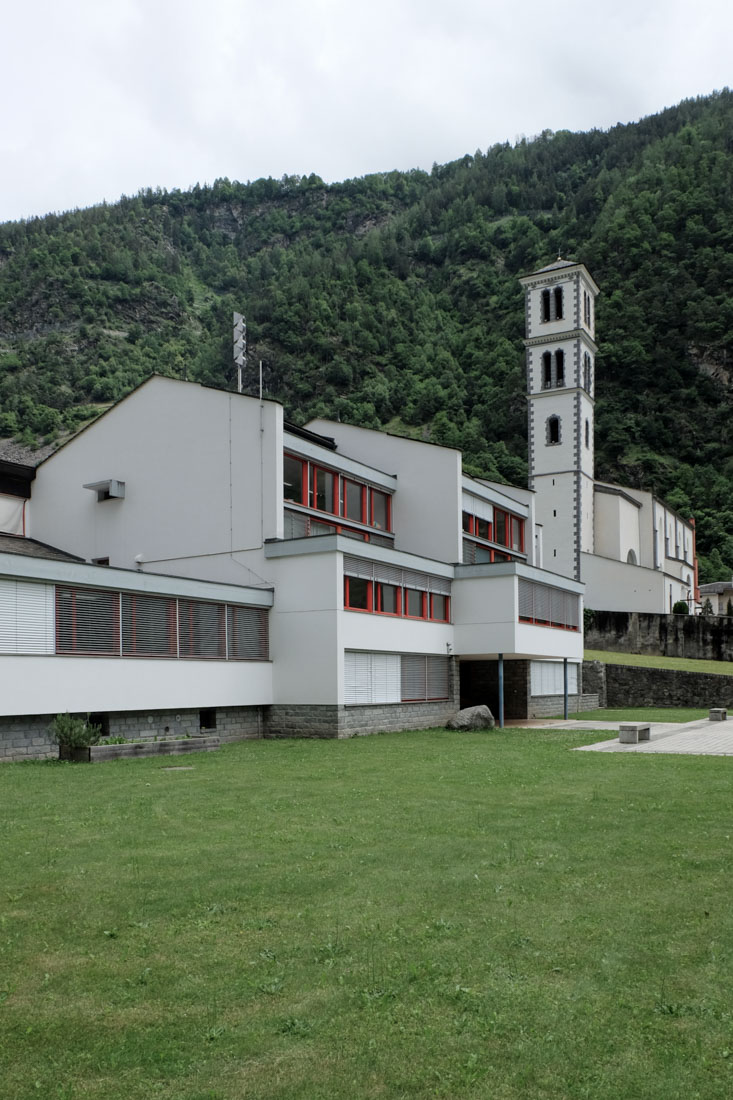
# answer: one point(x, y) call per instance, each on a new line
point(304, 635)
point(196, 464)
point(616, 527)
point(615, 586)
point(54, 685)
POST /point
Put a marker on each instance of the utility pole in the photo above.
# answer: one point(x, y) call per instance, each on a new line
point(240, 347)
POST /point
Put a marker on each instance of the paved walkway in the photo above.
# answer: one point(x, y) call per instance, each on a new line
point(699, 738)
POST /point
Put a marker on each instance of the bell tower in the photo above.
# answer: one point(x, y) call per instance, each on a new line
point(560, 326)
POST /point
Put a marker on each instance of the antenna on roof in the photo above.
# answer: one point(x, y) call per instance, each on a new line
point(240, 347)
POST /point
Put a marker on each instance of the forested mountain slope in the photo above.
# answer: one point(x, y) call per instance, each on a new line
point(393, 300)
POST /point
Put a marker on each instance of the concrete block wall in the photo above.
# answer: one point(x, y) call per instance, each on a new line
point(549, 706)
point(232, 724)
point(27, 737)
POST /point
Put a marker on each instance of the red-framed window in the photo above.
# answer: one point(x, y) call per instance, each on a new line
point(380, 598)
point(544, 605)
point(325, 490)
point(506, 530)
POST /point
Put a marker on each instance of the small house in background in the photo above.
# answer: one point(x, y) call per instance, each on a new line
point(720, 594)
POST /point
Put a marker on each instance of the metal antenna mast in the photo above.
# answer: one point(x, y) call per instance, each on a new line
point(240, 347)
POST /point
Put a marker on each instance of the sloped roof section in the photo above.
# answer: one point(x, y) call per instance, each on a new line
point(31, 548)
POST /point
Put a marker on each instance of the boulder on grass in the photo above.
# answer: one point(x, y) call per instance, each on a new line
point(473, 718)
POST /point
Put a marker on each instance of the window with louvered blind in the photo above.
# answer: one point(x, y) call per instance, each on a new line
point(371, 678)
point(547, 678)
point(201, 629)
point(547, 606)
point(87, 621)
point(104, 623)
point(386, 589)
point(247, 634)
point(424, 678)
point(149, 626)
point(26, 617)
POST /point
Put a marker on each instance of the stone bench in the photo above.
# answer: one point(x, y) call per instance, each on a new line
point(630, 733)
point(718, 714)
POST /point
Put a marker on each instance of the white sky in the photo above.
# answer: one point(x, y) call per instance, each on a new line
point(105, 97)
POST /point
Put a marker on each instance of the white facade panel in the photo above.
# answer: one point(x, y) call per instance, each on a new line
point(54, 685)
point(203, 484)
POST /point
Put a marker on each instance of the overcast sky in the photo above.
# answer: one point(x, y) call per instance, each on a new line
point(105, 97)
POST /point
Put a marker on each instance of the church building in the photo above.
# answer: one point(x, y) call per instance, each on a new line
point(629, 549)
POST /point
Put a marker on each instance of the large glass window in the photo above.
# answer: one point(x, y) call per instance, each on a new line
point(380, 510)
point(293, 479)
point(328, 491)
point(354, 500)
point(323, 491)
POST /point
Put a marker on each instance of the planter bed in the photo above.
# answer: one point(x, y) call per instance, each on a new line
point(98, 753)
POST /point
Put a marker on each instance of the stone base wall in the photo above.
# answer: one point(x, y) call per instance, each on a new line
point(707, 638)
point(231, 724)
point(27, 737)
point(549, 706)
point(295, 720)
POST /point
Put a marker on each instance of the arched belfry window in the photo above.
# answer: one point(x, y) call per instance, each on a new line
point(553, 369)
point(553, 430)
point(546, 370)
point(587, 434)
point(631, 558)
point(587, 373)
point(551, 304)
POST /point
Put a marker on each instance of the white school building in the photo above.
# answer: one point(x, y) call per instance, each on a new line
point(190, 561)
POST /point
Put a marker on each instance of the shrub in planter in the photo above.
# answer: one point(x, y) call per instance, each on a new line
point(74, 736)
point(680, 608)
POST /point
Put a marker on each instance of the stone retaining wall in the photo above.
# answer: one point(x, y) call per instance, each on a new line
point(707, 638)
point(628, 686)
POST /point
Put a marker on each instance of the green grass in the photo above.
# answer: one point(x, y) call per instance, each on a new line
point(639, 714)
point(417, 915)
point(679, 664)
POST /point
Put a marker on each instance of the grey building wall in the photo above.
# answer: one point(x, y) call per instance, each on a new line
point(695, 636)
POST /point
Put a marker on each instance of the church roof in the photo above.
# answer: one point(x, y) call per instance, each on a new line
point(558, 265)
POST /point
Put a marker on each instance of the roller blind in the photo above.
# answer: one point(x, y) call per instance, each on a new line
point(394, 574)
point(247, 634)
point(26, 617)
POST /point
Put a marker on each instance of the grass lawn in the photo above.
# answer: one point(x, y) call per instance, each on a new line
point(639, 714)
point(680, 664)
point(416, 915)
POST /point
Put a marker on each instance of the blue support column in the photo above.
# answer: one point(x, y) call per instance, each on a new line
point(565, 686)
point(501, 691)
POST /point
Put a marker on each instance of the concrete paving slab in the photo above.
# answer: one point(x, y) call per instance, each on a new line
point(699, 738)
